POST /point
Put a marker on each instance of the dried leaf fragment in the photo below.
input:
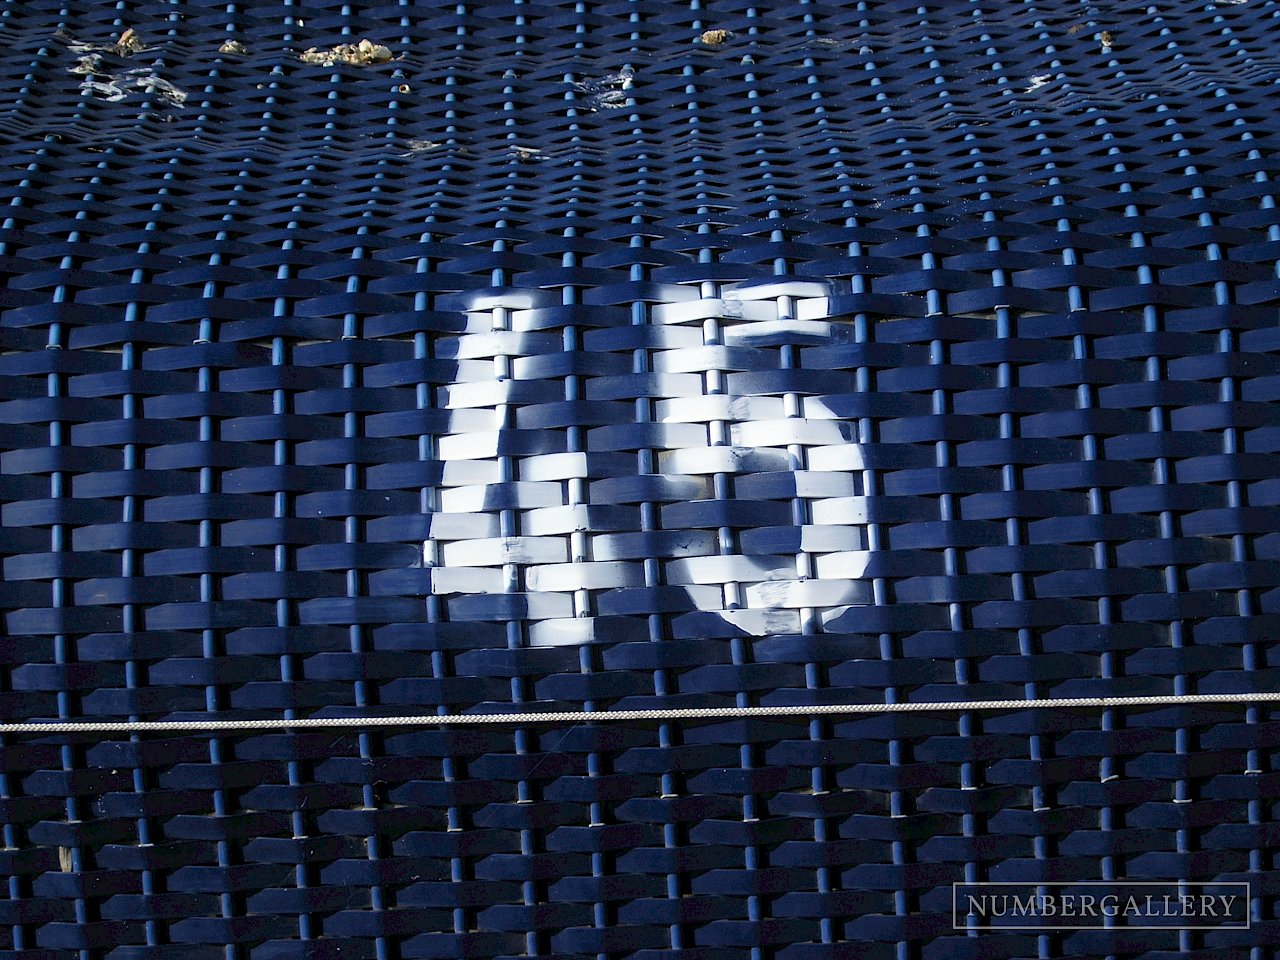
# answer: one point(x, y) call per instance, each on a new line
point(158, 86)
point(108, 91)
point(420, 146)
point(87, 65)
point(128, 44)
point(714, 38)
point(234, 47)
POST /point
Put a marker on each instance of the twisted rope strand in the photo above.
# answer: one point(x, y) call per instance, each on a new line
point(578, 716)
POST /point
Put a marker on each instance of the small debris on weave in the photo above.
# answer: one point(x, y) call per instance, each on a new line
point(126, 45)
point(112, 89)
point(149, 82)
point(88, 65)
point(105, 82)
point(714, 38)
point(234, 48)
point(608, 92)
point(420, 146)
point(357, 54)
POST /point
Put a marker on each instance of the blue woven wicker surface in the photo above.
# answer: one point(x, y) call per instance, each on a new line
point(627, 355)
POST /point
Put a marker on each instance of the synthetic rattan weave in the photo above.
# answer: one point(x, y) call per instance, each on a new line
point(580, 357)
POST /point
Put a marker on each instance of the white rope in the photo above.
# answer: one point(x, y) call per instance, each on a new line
point(579, 716)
